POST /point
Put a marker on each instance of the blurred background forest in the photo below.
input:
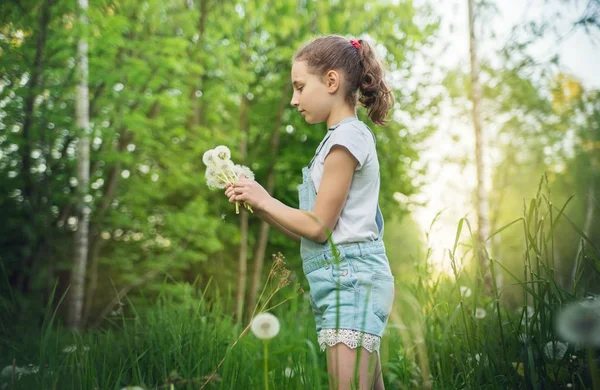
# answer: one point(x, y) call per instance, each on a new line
point(168, 80)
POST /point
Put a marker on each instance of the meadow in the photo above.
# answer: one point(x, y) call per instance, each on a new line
point(444, 333)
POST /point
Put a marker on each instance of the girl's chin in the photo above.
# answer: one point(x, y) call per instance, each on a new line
point(311, 120)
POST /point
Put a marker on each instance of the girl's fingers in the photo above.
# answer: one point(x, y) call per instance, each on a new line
point(234, 193)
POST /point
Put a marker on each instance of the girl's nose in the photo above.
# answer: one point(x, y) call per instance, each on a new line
point(294, 101)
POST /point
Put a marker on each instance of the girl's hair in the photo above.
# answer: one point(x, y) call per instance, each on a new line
point(362, 70)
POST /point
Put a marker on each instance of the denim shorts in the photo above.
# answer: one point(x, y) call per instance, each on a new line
point(354, 291)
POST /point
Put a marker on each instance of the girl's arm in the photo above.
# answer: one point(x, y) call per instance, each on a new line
point(265, 217)
point(335, 184)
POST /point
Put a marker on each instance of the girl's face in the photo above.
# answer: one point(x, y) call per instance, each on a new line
point(312, 97)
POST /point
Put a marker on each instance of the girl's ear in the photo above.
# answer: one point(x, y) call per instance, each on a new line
point(332, 81)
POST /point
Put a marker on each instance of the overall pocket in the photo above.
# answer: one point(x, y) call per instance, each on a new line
point(383, 295)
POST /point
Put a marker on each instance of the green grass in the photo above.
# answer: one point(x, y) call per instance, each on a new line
point(436, 338)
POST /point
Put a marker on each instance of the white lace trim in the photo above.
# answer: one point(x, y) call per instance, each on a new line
point(352, 338)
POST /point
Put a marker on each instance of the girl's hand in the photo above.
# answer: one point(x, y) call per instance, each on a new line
point(249, 191)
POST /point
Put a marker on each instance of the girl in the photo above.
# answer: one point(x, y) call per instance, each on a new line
point(351, 290)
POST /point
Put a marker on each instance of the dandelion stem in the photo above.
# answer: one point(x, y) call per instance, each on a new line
point(232, 172)
point(266, 365)
point(223, 178)
point(225, 174)
point(271, 274)
point(593, 368)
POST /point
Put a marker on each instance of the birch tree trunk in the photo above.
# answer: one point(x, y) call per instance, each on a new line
point(483, 229)
point(80, 246)
point(263, 238)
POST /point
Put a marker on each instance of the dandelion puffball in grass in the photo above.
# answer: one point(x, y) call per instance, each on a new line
point(523, 338)
point(555, 350)
point(69, 349)
point(465, 291)
point(18, 372)
point(265, 326)
point(579, 323)
point(529, 311)
point(480, 313)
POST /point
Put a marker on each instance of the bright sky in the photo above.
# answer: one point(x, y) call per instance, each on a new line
point(450, 186)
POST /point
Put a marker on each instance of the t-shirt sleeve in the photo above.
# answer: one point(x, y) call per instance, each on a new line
point(353, 139)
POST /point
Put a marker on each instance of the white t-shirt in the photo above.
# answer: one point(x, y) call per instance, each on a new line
point(357, 219)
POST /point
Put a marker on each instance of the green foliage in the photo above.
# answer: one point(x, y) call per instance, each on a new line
point(167, 81)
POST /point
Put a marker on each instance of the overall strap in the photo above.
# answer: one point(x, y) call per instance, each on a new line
point(331, 129)
point(318, 150)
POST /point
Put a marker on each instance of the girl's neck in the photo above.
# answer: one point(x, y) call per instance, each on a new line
point(336, 116)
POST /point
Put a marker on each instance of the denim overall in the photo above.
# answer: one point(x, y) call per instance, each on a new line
point(351, 287)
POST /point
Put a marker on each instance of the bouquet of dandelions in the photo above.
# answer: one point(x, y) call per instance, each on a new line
point(220, 171)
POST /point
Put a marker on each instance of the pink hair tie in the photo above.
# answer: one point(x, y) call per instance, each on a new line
point(355, 43)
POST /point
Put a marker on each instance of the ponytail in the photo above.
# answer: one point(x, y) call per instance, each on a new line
point(375, 95)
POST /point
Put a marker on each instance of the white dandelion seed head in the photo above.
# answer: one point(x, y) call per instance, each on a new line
point(225, 165)
point(209, 158)
point(30, 369)
point(480, 313)
point(590, 303)
point(243, 170)
point(465, 291)
point(7, 372)
point(222, 152)
point(555, 350)
point(213, 181)
point(529, 311)
point(265, 326)
point(523, 338)
point(289, 372)
point(69, 349)
point(477, 358)
point(578, 323)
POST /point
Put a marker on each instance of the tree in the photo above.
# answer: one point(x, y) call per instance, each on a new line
point(482, 208)
point(80, 256)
